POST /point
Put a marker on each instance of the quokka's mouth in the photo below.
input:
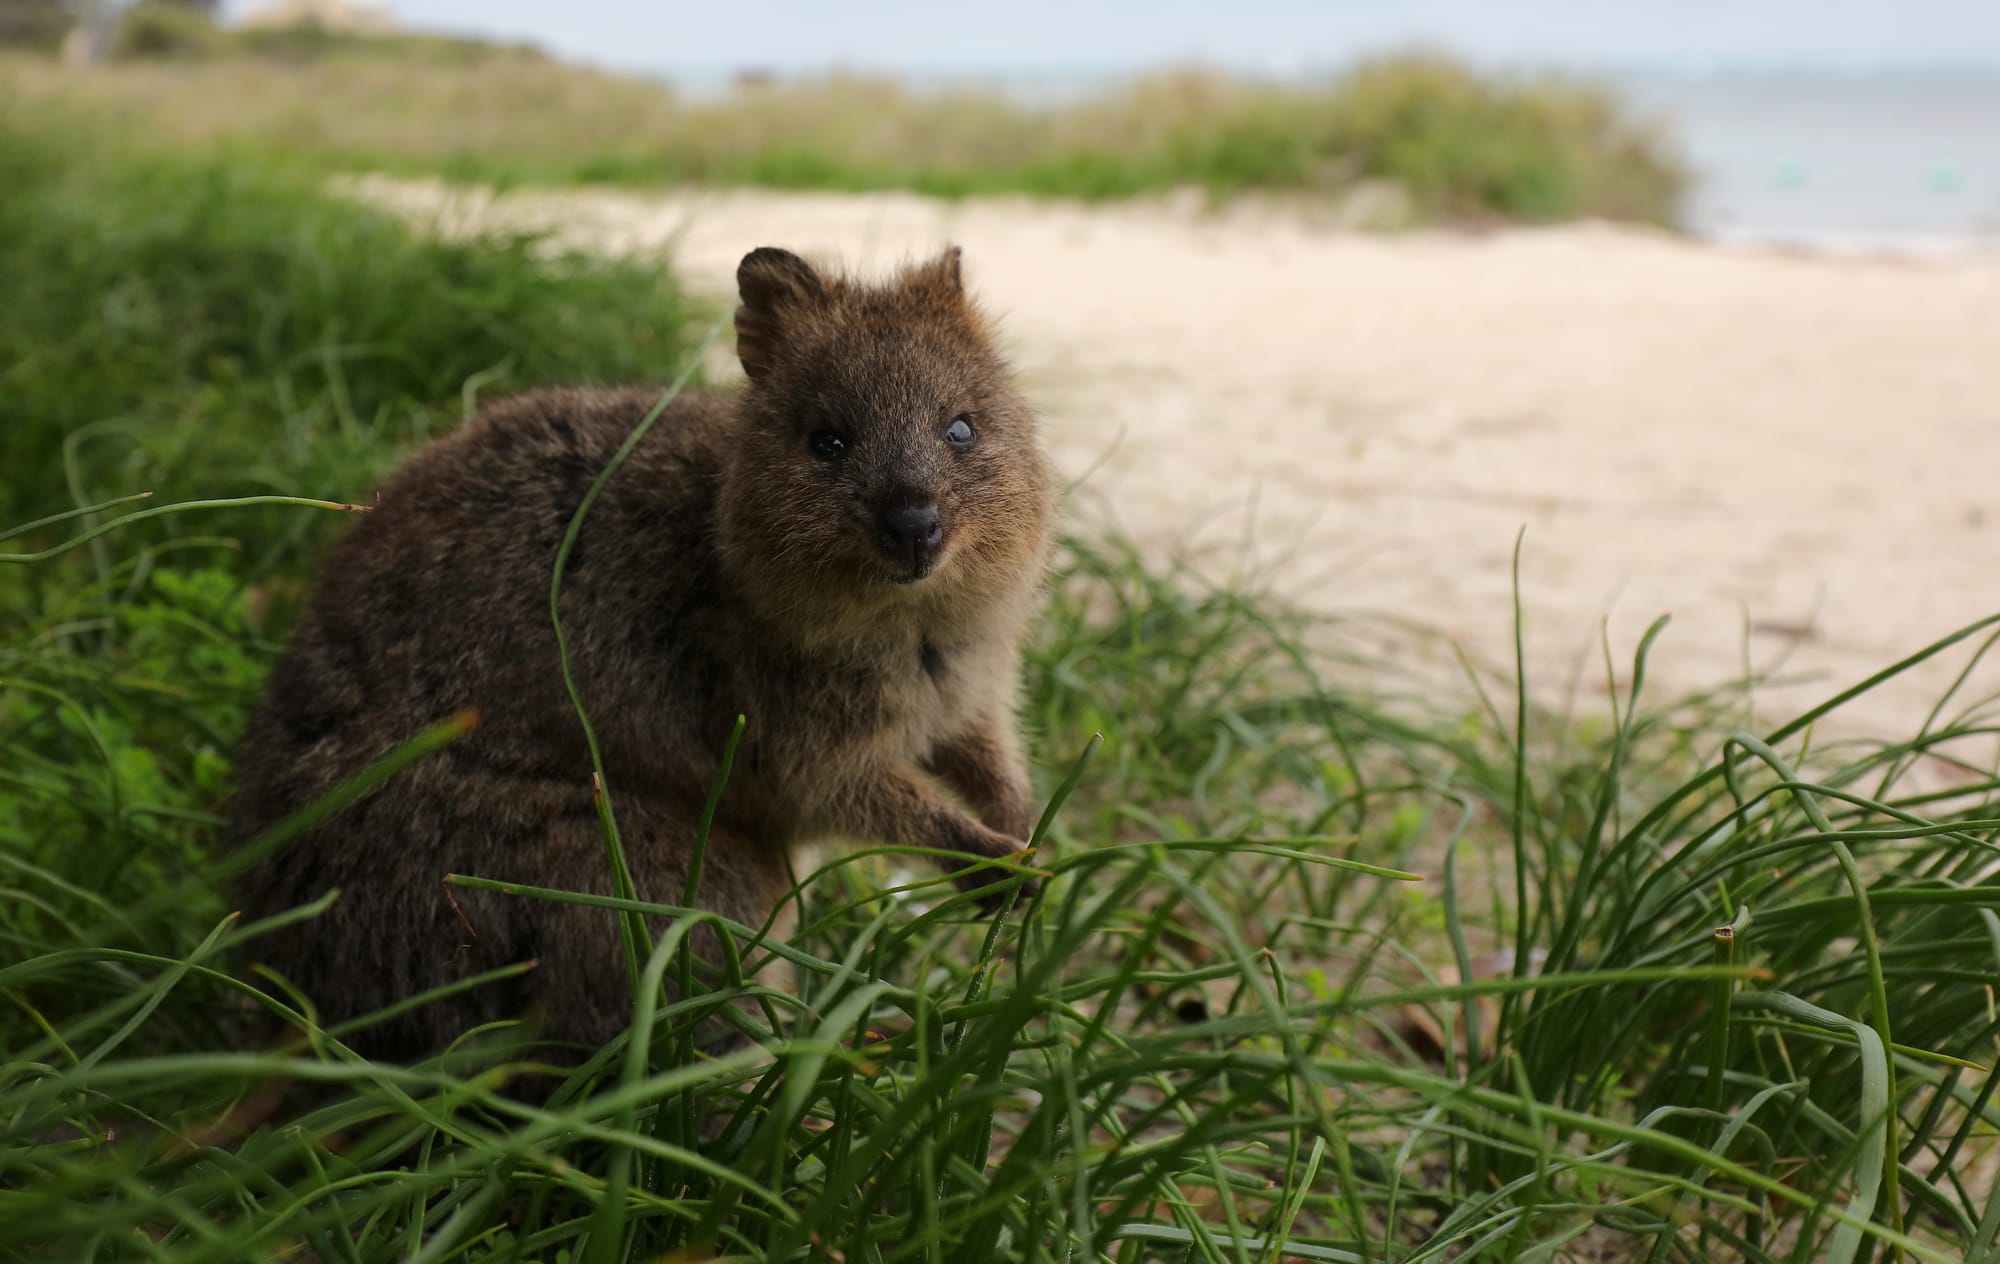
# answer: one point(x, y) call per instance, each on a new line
point(915, 572)
point(911, 575)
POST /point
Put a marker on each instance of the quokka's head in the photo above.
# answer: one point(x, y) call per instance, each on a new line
point(885, 445)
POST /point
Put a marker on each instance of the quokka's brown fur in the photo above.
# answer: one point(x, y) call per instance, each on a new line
point(740, 561)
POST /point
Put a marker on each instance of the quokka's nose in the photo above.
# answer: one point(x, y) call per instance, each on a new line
point(911, 532)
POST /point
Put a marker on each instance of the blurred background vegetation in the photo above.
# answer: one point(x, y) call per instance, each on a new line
point(1450, 142)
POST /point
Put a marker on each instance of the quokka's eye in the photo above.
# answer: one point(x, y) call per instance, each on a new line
point(959, 433)
point(827, 445)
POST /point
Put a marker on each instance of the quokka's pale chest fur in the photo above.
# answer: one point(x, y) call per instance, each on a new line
point(847, 551)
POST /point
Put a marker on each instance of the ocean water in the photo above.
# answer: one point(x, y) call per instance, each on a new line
point(1902, 160)
point(1898, 160)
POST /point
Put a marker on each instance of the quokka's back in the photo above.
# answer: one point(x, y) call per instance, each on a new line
point(846, 552)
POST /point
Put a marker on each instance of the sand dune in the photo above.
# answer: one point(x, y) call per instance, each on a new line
point(1798, 455)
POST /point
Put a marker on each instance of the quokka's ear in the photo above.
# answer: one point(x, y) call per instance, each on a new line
point(775, 285)
point(941, 272)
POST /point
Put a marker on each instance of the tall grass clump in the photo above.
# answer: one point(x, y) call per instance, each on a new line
point(1459, 143)
point(1322, 968)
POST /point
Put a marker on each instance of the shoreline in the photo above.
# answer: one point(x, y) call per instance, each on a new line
point(1887, 247)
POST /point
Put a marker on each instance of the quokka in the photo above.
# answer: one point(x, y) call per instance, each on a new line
point(848, 551)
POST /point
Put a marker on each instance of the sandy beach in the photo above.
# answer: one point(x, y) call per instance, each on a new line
point(1795, 456)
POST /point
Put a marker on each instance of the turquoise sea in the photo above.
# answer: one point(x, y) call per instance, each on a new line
point(1906, 159)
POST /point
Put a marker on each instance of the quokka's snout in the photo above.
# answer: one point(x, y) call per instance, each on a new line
point(911, 532)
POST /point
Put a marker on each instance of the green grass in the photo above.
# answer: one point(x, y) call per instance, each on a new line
point(1459, 143)
point(165, 320)
point(1228, 1030)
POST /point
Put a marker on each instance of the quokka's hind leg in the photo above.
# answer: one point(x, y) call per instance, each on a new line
point(583, 985)
point(395, 931)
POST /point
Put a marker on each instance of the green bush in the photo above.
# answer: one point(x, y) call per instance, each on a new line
point(1465, 144)
point(124, 699)
point(152, 29)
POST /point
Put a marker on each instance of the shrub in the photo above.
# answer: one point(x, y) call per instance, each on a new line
point(152, 29)
point(1530, 150)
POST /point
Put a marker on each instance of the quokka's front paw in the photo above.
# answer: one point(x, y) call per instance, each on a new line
point(1014, 821)
point(994, 882)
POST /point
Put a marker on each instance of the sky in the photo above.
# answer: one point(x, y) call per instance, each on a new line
point(1027, 36)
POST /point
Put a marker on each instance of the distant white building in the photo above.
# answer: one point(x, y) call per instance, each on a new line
point(328, 15)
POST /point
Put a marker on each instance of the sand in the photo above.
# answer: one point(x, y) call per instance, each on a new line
point(1797, 457)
